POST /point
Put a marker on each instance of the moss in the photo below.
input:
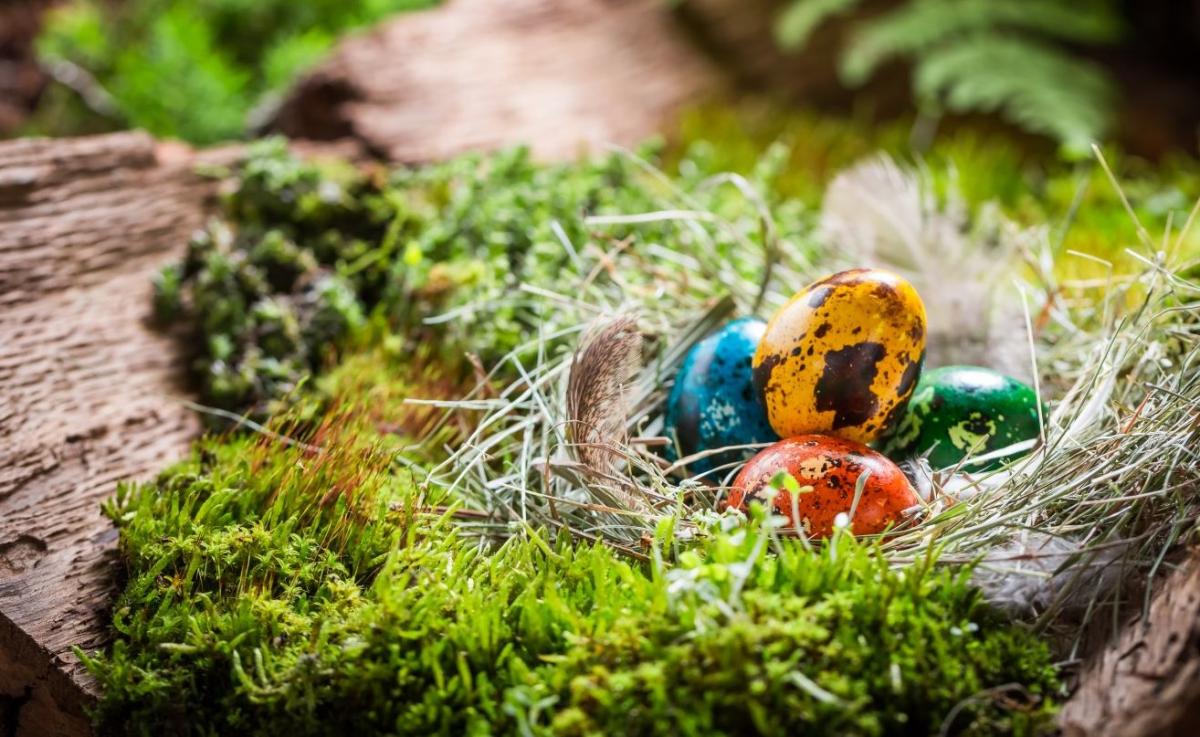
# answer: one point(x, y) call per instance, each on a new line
point(305, 252)
point(276, 588)
point(308, 585)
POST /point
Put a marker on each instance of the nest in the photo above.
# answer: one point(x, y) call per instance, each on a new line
point(1069, 531)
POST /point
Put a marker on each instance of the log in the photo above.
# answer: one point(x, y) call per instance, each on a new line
point(477, 75)
point(86, 391)
point(1147, 680)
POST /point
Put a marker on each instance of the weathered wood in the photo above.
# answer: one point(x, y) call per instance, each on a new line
point(1146, 682)
point(482, 74)
point(86, 391)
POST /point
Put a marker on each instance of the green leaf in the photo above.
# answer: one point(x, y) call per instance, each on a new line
point(75, 32)
point(924, 25)
point(1032, 84)
point(797, 22)
point(179, 84)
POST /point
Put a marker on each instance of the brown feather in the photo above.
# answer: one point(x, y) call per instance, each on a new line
point(597, 396)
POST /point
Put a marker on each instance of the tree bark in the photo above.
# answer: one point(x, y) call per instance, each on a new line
point(482, 74)
point(1146, 681)
point(86, 391)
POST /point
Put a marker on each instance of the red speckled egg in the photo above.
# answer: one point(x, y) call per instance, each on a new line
point(832, 467)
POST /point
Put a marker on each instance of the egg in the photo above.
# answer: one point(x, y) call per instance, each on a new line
point(842, 357)
point(713, 403)
point(961, 411)
point(831, 468)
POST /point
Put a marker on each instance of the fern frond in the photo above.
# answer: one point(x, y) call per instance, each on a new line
point(1030, 83)
point(984, 55)
point(797, 22)
point(920, 25)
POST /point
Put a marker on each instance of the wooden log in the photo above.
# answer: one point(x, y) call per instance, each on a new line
point(86, 391)
point(1147, 680)
point(483, 74)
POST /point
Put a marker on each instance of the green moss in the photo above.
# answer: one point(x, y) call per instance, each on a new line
point(305, 251)
point(276, 589)
point(311, 586)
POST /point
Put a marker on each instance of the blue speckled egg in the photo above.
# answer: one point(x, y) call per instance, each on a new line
point(713, 403)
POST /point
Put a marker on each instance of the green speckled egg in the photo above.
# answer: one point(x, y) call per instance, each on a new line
point(957, 411)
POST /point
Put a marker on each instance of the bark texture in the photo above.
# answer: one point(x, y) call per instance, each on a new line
point(483, 74)
point(86, 393)
point(1146, 682)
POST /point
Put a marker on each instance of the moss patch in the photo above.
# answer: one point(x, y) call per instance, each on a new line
point(277, 588)
point(301, 581)
point(305, 252)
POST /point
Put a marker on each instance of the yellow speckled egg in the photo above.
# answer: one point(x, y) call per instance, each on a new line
point(842, 357)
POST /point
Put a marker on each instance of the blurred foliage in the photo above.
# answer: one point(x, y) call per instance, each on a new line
point(1075, 201)
point(311, 590)
point(1014, 57)
point(193, 70)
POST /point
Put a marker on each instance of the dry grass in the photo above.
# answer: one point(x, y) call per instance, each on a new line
point(1069, 532)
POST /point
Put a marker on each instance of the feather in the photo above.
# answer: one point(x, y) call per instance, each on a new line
point(1035, 571)
point(598, 397)
point(878, 214)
